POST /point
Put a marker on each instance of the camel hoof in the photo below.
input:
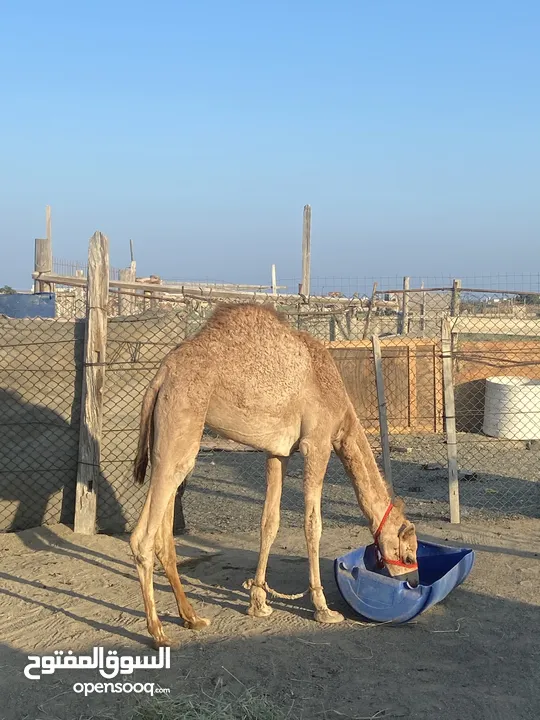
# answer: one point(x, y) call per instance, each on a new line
point(163, 641)
point(328, 616)
point(198, 624)
point(260, 611)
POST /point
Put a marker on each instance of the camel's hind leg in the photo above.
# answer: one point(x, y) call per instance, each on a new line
point(166, 552)
point(316, 457)
point(276, 468)
point(173, 459)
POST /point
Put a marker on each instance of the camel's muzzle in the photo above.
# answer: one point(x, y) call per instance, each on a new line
point(411, 577)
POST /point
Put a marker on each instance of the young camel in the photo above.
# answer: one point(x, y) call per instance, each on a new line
point(253, 379)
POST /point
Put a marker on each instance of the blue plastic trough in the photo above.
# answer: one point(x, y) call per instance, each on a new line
point(374, 595)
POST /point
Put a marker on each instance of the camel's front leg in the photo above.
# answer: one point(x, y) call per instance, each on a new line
point(315, 464)
point(276, 468)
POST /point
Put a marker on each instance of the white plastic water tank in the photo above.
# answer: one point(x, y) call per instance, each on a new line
point(512, 408)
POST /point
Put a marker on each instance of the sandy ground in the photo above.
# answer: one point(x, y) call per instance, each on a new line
point(474, 656)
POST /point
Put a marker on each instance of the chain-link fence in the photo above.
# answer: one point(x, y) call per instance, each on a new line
point(496, 368)
point(40, 392)
point(40, 387)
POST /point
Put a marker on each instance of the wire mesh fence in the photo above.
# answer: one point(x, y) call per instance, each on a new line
point(494, 335)
point(496, 366)
point(40, 392)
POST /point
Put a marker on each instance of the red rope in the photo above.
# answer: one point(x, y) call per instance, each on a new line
point(382, 559)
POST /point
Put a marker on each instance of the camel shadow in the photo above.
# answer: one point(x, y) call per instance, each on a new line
point(38, 461)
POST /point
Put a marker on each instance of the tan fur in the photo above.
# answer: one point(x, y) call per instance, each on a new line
point(253, 379)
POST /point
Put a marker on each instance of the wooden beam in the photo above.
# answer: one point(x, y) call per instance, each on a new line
point(209, 292)
point(95, 344)
point(497, 325)
point(306, 252)
point(395, 341)
point(450, 421)
point(383, 415)
point(416, 290)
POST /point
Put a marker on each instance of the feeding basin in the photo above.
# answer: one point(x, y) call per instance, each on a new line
point(374, 595)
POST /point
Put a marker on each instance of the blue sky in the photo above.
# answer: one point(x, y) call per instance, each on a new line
point(200, 129)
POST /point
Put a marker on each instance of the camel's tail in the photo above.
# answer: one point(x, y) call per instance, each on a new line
point(145, 427)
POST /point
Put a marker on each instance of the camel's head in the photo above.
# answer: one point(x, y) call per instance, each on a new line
point(397, 543)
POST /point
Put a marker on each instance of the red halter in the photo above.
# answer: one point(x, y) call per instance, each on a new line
point(382, 559)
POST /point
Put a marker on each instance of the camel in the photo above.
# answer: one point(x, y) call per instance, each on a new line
point(253, 379)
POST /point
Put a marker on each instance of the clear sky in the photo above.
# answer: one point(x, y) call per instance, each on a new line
point(200, 129)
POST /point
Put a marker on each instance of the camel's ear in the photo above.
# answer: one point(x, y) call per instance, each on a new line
point(399, 503)
point(406, 531)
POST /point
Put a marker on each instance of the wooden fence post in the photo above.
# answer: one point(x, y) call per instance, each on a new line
point(450, 420)
point(95, 343)
point(404, 320)
point(48, 227)
point(274, 281)
point(383, 417)
point(306, 251)
point(124, 301)
point(132, 278)
point(456, 298)
point(43, 263)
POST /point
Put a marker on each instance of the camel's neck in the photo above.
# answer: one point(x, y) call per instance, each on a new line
point(373, 496)
point(371, 490)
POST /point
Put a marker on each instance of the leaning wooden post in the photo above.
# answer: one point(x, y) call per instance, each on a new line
point(370, 311)
point(450, 420)
point(306, 251)
point(43, 263)
point(95, 342)
point(383, 416)
point(404, 321)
